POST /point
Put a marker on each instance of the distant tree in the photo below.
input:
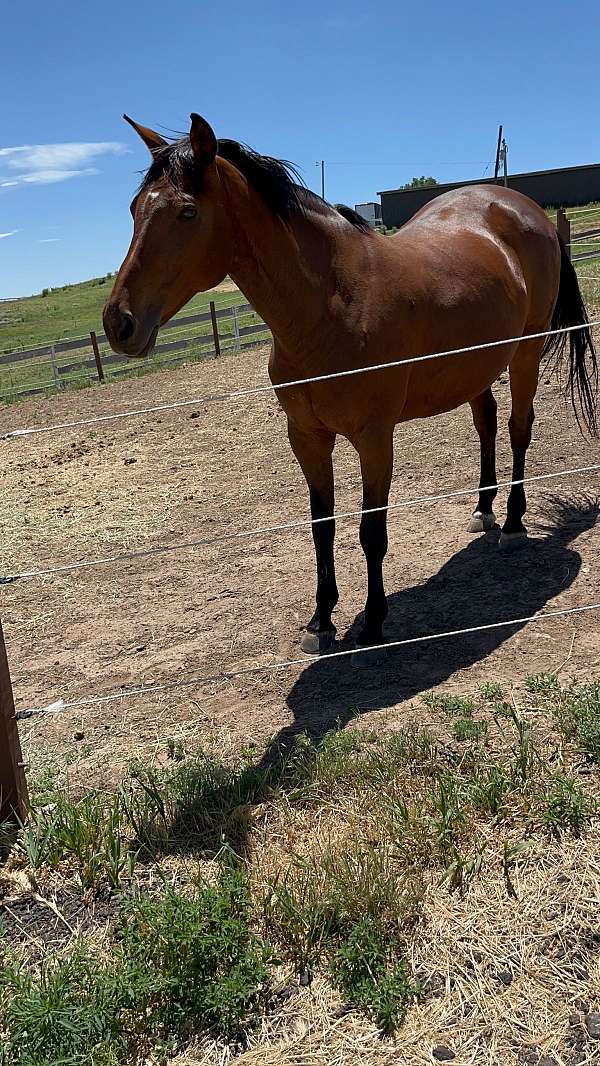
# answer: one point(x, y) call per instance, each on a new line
point(419, 183)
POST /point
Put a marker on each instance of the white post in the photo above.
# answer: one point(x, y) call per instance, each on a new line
point(55, 372)
point(236, 329)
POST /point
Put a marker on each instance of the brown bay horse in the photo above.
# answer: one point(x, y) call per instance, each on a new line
point(474, 266)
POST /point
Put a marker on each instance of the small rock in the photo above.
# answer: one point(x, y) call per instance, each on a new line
point(592, 1024)
point(78, 736)
point(505, 976)
point(305, 978)
point(128, 462)
point(443, 1054)
point(195, 414)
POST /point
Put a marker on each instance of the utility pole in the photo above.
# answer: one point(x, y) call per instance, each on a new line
point(498, 149)
point(505, 161)
point(323, 178)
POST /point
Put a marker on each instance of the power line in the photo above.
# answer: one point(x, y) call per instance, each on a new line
point(241, 394)
point(247, 671)
point(282, 527)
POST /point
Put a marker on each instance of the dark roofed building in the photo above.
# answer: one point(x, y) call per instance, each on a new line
point(563, 187)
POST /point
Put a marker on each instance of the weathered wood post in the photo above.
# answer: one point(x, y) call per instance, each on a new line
point(215, 327)
point(99, 366)
point(13, 783)
point(564, 229)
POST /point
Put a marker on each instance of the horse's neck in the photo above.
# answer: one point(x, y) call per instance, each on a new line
point(288, 273)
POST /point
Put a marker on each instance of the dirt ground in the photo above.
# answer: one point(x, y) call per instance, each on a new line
point(222, 467)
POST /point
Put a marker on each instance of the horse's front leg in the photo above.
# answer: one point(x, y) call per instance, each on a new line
point(376, 451)
point(313, 451)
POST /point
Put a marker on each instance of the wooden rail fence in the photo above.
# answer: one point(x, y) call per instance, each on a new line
point(83, 360)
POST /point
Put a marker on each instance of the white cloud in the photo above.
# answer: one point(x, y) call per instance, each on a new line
point(10, 233)
point(49, 240)
point(49, 177)
point(45, 164)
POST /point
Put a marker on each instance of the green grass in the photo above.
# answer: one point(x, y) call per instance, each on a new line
point(71, 312)
point(319, 865)
point(177, 965)
point(74, 310)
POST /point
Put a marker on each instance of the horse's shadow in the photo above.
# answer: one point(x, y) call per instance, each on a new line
point(478, 586)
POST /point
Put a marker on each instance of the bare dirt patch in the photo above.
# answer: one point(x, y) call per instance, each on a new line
point(199, 471)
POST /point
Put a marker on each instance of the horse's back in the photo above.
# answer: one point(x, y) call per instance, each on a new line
point(491, 231)
point(473, 206)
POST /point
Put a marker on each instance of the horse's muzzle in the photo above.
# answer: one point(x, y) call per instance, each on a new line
point(125, 334)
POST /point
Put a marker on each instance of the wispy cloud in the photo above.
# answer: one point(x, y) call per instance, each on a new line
point(49, 240)
point(10, 233)
point(46, 164)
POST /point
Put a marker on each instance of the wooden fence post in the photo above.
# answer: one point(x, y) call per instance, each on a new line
point(99, 366)
point(13, 783)
point(215, 327)
point(564, 229)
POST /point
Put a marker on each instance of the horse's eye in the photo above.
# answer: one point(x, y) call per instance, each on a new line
point(188, 212)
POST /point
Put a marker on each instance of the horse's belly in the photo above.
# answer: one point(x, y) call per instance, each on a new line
point(460, 379)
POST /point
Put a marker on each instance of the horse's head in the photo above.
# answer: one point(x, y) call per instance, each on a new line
point(182, 238)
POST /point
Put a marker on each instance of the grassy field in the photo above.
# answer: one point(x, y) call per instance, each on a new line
point(74, 310)
point(204, 897)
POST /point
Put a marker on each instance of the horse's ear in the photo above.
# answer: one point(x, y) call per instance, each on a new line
point(151, 139)
point(202, 140)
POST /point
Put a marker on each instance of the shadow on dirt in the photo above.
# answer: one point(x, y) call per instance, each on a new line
point(479, 585)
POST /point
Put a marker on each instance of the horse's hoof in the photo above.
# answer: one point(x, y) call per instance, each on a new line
point(317, 643)
point(512, 541)
point(480, 522)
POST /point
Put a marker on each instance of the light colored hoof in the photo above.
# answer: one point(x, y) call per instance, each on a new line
point(511, 541)
point(317, 643)
point(481, 522)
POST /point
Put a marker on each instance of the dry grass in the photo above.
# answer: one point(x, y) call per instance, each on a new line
point(468, 945)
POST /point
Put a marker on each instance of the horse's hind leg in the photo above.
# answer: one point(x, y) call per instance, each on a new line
point(313, 451)
point(376, 451)
point(484, 409)
point(524, 372)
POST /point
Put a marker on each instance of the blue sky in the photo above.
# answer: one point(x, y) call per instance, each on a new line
point(382, 92)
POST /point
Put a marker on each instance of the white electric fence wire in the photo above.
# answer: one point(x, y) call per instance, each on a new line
point(257, 390)
point(302, 523)
point(144, 690)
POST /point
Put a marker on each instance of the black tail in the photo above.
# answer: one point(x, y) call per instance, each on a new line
point(582, 372)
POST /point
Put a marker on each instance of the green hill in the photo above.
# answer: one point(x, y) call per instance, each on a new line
point(73, 310)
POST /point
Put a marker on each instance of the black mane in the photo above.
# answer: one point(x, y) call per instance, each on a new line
point(277, 181)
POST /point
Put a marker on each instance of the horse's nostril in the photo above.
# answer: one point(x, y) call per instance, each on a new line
point(126, 326)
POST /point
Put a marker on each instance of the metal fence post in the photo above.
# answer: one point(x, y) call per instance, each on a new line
point(236, 328)
point(13, 784)
point(55, 373)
